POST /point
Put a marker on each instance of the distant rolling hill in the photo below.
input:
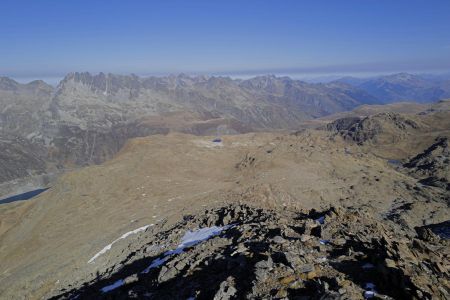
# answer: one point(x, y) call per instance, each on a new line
point(403, 87)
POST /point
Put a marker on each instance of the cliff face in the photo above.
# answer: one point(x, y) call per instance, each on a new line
point(260, 102)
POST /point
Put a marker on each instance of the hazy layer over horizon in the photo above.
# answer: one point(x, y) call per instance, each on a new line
point(311, 77)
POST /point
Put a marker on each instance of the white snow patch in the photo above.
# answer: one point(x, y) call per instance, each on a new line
point(124, 236)
point(194, 237)
point(320, 220)
point(155, 263)
point(113, 286)
point(367, 266)
point(370, 290)
point(190, 238)
point(369, 286)
point(369, 294)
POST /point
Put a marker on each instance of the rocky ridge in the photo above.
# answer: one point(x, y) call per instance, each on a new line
point(262, 254)
point(432, 165)
point(370, 129)
point(394, 135)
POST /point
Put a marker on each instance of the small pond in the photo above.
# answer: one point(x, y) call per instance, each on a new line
point(24, 196)
point(394, 162)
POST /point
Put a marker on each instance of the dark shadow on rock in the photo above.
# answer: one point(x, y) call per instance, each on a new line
point(440, 229)
point(201, 282)
point(388, 281)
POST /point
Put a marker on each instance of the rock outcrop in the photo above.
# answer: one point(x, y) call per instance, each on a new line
point(390, 127)
point(264, 254)
point(432, 166)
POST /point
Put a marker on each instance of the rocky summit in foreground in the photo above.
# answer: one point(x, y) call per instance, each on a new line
point(241, 252)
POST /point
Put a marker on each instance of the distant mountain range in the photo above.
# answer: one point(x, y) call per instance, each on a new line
point(87, 118)
point(403, 87)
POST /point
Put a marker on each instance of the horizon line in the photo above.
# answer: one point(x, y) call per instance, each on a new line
point(306, 76)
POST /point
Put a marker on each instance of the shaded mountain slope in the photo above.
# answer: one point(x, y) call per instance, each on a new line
point(432, 166)
point(20, 158)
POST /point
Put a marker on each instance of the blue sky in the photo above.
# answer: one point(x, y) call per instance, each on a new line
point(43, 39)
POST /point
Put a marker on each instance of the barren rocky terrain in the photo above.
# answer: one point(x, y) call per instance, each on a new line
point(381, 182)
point(225, 150)
point(87, 118)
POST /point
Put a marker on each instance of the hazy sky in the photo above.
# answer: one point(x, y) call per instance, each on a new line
point(42, 38)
